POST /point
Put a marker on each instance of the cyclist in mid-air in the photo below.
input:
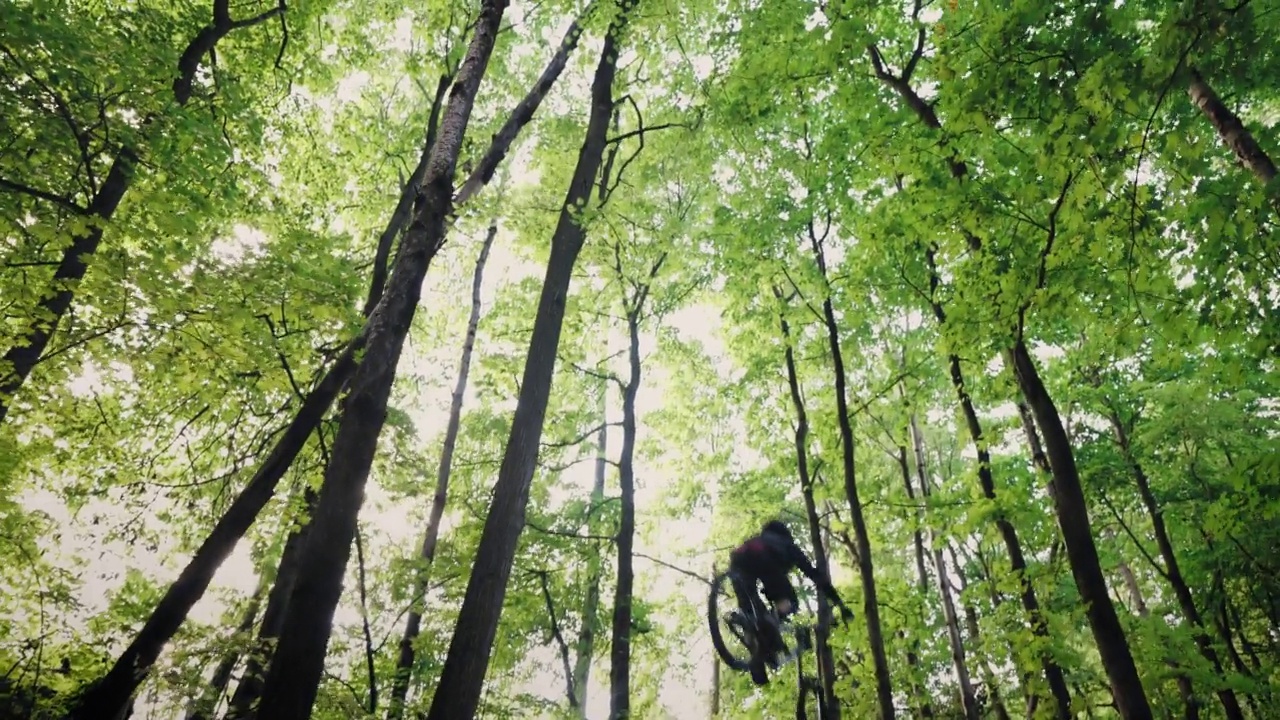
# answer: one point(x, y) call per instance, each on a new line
point(766, 559)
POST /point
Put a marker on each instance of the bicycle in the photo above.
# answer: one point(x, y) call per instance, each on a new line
point(746, 629)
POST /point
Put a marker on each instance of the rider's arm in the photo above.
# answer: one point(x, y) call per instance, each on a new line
point(802, 563)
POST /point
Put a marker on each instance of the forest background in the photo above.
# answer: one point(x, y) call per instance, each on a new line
point(386, 361)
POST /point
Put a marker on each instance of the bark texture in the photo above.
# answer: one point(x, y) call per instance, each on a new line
point(1232, 131)
point(1073, 520)
point(293, 677)
point(522, 114)
point(249, 690)
point(462, 677)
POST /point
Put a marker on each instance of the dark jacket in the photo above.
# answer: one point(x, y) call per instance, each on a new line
point(771, 552)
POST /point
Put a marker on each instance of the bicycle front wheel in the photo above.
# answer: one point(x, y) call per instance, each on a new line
point(731, 633)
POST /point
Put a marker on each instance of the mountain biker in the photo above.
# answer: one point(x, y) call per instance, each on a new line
point(766, 559)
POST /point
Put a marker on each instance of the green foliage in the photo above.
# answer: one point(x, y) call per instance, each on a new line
point(1040, 174)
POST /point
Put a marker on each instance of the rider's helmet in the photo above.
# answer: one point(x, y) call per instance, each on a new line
point(777, 527)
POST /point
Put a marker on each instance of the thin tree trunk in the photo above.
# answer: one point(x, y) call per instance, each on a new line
point(1135, 590)
point(203, 707)
point(1245, 642)
point(620, 648)
point(715, 679)
point(901, 84)
point(1022, 682)
point(426, 556)
point(249, 689)
point(462, 678)
point(585, 648)
point(294, 674)
point(1073, 521)
point(975, 634)
point(825, 659)
point(967, 699)
point(22, 357)
point(870, 603)
point(1172, 572)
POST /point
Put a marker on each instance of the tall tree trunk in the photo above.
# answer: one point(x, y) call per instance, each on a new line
point(114, 688)
point(110, 695)
point(1172, 572)
point(1073, 521)
point(584, 650)
point(426, 556)
point(1245, 642)
point(249, 689)
point(922, 588)
point(22, 357)
point(620, 648)
point(1232, 131)
point(1008, 533)
point(997, 598)
point(294, 674)
point(1191, 706)
point(901, 84)
point(826, 661)
point(870, 603)
point(202, 708)
point(462, 678)
point(967, 699)
point(1135, 590)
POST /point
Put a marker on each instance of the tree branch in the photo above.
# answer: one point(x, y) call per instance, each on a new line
point(559, 638)
point(599, 375)
point(43, 195)
point(669, 566)
point(563, 533)
point(1137, 543)
point(581, 437)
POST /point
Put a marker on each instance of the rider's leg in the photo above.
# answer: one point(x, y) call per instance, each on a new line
point(780, 591)
point(782, 594)
point(744, 584)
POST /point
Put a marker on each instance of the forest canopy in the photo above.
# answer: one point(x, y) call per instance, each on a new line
point(386, 360)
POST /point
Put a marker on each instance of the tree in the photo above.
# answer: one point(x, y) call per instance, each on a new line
point(458, 691)
point(90, 220)
point(294, 673)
